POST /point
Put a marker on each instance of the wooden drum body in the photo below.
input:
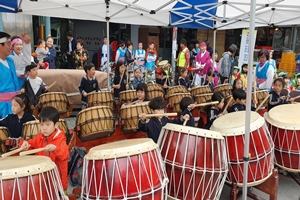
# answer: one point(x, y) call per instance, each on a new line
point(155, 90)
point(195, 161)
point(200, 90)
point(232, 127)
point(174, 101)
point(225, 89)
point(130, 115)
point(4, 134)
point(284, 126)
point(203, 98)
point(57, 100)
point(127, 96)
point(95, 122)
point(103, 98)
point(260, 96)
point(30, 177)
point(176, 89)
point(128, 169)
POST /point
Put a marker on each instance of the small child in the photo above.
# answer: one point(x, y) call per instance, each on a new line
point(210, 80)
point(215, 111)
point(137, 77)
point(33, 85)
point(41, 52)
point(21, 114)
point(154, 125)
point(235, 74)
point(120, 80)
point(276, 97)
point(237, 84)
point(183, 80)
point(296, 82)
point(141, 93)
point(243, 74)
point(239, 95)
point(140, 54)
point(160, 78)
point(187, 104)
point(54, 140)
point(288, 84)
point(88, 84)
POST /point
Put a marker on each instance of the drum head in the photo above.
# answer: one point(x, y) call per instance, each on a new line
point(121, 149)
point(163, 62)
point(24, 166)
point(193, 131)
point(234, 123)
point(285, 116)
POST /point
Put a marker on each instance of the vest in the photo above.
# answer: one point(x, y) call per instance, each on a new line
point(122, 54)
point(182, 59)
point(261, 76)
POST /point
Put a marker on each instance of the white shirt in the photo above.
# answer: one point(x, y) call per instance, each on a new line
point(36, 84)
point(70, 45)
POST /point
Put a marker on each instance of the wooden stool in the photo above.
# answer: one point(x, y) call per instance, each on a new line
point(270, 187)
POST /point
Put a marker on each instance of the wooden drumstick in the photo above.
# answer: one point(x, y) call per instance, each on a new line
point(297, 97)
point(260, 105)
point(51, 84)
point(33, 151)
point(185, 121)
point(134, 102)
point(205, 104)
point(229, 102)
point(12, 152)
point(161, 115)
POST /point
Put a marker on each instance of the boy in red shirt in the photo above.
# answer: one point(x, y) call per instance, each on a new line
point(54, 140)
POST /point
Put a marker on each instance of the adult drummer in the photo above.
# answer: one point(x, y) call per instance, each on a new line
point(8, 78)
point(183, 59)
point(264, 71)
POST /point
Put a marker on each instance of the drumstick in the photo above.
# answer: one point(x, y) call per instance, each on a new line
point(12, 152)
point(51, 84)
point(185, 121)
point(24, 153)
point(161, 115)
point(134, 102)
point(229, 102)
point(260, 105)
point(205, 104)
point(297, 97)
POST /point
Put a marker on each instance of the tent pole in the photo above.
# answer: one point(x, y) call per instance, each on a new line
point(214, 46)
point(174, 49)
point(108, 49)
point(248, 99)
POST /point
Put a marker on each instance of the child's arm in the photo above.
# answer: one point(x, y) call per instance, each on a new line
point(60, 151)
point(4, 121)
point(81, 88)
point(143, 122)
point(116, 82)
point(273, 100)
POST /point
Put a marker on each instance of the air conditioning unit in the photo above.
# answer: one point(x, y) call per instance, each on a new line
point(122, 26)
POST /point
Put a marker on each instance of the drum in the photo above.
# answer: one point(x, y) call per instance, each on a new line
point(128, 169)
point(225, 89)
point(127, 96)
point(30, 177)
point(95, 122)
point(57, 100)
point(200, 90)
point(32, 128)
point(176, 89)
point(103, 98)
point(195, 161)
point(155, 90)
point(4, 134)
point(232, 127)
point(203, 98)
point(260, 96)
point(174, 101)
point(130, 115)
point(284, 126)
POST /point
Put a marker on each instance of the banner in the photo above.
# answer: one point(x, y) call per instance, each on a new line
point(244, 48)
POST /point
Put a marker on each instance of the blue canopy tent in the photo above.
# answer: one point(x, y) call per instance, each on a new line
point(10, 6)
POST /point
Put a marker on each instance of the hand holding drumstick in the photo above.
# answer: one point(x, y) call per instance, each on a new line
point(48, 148)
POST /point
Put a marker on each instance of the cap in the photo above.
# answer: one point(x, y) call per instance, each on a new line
point(31, 66)
point(236, 67)
point(158, 71)
point(244, 64)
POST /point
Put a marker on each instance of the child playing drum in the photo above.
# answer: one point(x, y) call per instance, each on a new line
point(215, 111)
point(141, 93)
point(237, 84)
point(88, 84)
point(153, 125)
point(183, 80)
point(239, 96)
point(21, 114)
point(160, 78)
point(120, 81)
point(53, 140)
point(137, 77)
point(33, 85)
point(187, 104)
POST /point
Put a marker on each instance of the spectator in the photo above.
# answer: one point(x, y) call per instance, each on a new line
point(226, 63)
point(71, 48)
point(51, 57)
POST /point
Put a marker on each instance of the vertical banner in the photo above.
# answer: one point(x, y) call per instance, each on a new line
point(244, 48)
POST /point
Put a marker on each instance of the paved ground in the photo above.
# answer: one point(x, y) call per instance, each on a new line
point(287, 189)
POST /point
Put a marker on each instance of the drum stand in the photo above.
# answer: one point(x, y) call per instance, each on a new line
point(295, 176)
point(270, 187)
